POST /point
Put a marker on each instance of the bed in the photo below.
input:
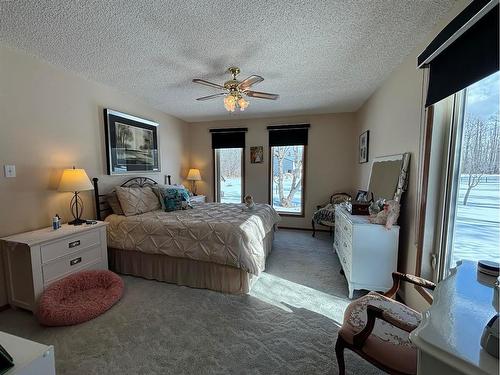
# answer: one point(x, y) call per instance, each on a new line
point(215, 246)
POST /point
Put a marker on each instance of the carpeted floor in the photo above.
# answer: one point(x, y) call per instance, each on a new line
point(287, 325)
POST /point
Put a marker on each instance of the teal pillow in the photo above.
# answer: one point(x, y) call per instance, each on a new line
point(172, 199)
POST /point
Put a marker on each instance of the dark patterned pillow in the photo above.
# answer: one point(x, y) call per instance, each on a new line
point(114, 203)
point(174, 199)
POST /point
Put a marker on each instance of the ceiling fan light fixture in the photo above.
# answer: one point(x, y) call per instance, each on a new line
point(230, 103)
point(235, 89)
point(243, 104)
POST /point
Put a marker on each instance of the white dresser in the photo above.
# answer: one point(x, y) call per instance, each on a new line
point(30, 358)
point(198, 198)
point(35, 259)
point(367, 252)
point(449, 336)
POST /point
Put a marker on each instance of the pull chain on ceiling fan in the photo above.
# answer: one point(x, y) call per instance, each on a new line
point(234, 90)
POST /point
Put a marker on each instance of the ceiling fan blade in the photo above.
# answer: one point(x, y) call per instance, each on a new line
point(250, 81)
point(262, 95)
point(211, 96)
point(206, 83)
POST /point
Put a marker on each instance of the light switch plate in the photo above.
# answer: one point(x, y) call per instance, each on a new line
point(10, 170)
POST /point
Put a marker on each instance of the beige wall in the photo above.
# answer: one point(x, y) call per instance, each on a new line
point(52, 119)
point(330, 156)
point(393, 116)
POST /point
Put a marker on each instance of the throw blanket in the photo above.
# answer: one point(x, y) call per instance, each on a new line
point(213, 232)
point(326, 213)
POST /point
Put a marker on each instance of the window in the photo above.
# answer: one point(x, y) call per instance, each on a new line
point(473, 217)
point(463, 195)
point(229, 175)
point(287, 184)
point(287, 159)
point(229, 161)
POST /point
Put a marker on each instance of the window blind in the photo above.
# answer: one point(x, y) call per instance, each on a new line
point(288, 135)
point(464, 52)
point(228, 137)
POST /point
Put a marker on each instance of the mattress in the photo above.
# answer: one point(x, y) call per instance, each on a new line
point(221, 233)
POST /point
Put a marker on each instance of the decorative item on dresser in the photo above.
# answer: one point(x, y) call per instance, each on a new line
point(193, 176)
point(33, 260)
point(368, 253)
point(75, 180)
point(29, 357)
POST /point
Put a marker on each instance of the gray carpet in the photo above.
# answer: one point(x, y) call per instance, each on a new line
point(287, 325)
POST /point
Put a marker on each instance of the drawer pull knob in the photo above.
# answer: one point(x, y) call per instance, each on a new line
point(74, 244)
point(75, 261)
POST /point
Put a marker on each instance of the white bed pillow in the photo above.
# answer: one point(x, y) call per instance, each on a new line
point(135, 201)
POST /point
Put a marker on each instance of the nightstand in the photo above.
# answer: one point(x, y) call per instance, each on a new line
point(198, 198)
point(35, 259)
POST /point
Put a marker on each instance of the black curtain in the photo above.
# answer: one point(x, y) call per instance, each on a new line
point(228, 137)
point(288, 135)
point(473, 56)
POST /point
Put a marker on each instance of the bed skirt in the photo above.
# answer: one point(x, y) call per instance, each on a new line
point(185, 271)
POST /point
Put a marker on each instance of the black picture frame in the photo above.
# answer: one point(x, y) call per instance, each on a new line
point(364, 143)
point(361, 196)
point(132, 144)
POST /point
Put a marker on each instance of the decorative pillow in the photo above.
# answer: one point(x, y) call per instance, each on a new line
point(135, 201)
point(173, 198)
point(113, 203)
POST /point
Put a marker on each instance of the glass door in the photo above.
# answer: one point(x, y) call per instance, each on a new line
point(229, 181)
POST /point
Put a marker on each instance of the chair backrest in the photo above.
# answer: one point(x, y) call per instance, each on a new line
point(338, 198)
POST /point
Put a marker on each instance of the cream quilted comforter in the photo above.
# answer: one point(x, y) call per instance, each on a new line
point(213, 232)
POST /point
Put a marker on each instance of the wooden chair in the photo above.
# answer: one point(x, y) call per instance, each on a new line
point(377, 328)
point(326, 212)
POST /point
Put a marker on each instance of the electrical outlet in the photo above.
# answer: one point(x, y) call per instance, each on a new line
point(10, 170)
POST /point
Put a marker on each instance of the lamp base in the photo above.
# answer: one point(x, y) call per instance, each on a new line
point(77, 222)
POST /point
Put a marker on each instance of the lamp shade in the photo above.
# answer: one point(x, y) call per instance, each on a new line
point(75, 180)
point(194, 175)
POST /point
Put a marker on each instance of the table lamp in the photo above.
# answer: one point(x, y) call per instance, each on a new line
point(193, 176)
point(75, 180)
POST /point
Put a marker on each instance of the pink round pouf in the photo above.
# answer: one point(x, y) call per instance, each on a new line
point(79, 297)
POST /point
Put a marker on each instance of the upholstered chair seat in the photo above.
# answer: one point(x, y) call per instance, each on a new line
point(387, 343)
point(377, 328)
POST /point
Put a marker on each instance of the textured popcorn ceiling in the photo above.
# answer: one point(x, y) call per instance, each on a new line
point(321, 56)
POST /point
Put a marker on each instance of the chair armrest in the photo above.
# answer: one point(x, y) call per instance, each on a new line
point(397, 277)
point(374, 313)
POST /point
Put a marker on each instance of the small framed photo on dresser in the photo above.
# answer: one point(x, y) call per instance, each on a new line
point(363, 146)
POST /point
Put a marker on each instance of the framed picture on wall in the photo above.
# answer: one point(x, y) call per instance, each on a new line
point(363, 146)
point(131, 143)
point(256, 154)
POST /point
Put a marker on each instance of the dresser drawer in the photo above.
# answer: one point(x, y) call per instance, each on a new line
point(70, 263)
point(69, 245)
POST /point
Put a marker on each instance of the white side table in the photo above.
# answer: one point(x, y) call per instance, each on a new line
point(198, 198)
point(33, 260)
point(30, 358)
point(449, 337)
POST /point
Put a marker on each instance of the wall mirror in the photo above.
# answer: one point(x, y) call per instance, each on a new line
point(389, 176)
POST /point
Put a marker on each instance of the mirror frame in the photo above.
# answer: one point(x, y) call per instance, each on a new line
point(402, 184)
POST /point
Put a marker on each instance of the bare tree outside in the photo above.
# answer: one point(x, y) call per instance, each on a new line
point(480, 151)
point(287, 174)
